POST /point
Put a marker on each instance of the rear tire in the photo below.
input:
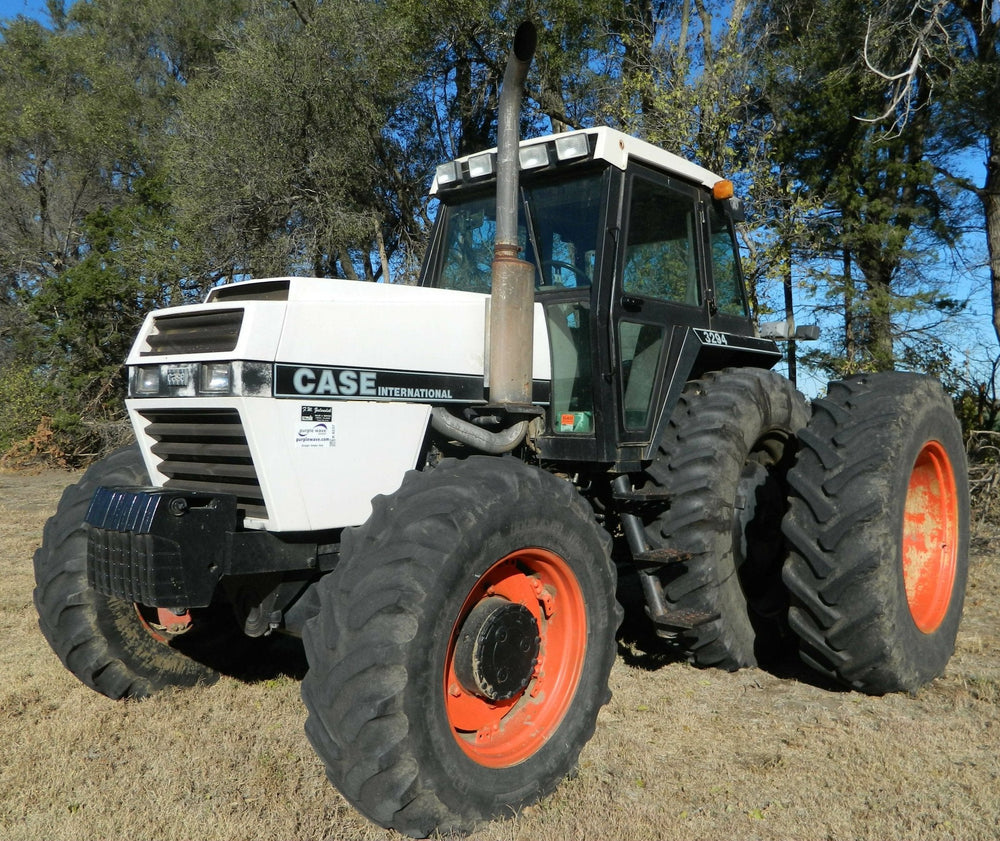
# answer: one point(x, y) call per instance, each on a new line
point(724, 460)
point(104, 641)
point(427, 714)
point(879, 522)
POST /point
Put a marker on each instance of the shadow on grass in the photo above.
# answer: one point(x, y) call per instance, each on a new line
point(280, 656)
point(640, 647)
point(251, 660)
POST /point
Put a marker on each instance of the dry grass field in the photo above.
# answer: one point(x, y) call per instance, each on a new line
point(679, 753)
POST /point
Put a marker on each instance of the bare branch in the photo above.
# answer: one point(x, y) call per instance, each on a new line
point(903, 83)
point(907, 74)
point(300, 12)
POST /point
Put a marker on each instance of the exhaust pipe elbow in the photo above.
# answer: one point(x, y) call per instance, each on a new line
point(474, 436)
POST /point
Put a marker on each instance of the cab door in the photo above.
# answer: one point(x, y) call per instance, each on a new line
point(659, 290)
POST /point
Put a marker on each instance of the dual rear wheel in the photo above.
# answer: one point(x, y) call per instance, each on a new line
point(879, 529)
point(843, 535)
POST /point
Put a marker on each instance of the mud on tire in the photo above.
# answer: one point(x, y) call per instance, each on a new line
point(879, 522)
point(463, 646)
point(723, 459)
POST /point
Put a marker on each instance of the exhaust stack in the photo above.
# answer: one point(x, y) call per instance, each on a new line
point(513, 279)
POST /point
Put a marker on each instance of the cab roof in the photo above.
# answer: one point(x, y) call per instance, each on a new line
point(602, 143)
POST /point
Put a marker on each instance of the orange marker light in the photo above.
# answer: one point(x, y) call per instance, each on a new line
point(722, 189)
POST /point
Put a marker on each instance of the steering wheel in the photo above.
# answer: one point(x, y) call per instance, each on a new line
point(562, 264)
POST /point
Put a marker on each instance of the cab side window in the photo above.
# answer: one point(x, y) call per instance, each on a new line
point(660, 257)
point(725, 268)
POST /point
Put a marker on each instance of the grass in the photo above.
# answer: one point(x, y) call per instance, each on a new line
point(679, 753)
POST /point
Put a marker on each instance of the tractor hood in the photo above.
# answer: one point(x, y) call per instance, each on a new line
point(339, 338)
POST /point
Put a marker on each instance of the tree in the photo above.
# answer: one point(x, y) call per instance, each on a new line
point(953, 50)
point(86, 227)
point(882, 212)
point(152, 148)
point(295, 155)
point(65, 152)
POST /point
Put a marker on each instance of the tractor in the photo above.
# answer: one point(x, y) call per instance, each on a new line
point(438, 486)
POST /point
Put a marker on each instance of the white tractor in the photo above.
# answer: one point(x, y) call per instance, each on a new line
point(437, 486)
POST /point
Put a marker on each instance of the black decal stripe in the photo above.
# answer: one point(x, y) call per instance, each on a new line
point(336, 383)
point(330, 383)
point(734, 340)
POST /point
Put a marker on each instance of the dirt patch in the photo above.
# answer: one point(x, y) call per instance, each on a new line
point(678, 753)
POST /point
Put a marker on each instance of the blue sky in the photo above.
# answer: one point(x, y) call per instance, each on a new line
point(28, 8)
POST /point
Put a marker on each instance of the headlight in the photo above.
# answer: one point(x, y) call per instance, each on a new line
point(147, 380)
point(237, 378)
point(215, 378)
point(572, 146)
point(448, 173)
point(481, 165)
point(532, 157)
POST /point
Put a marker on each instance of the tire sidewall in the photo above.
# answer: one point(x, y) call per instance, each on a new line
point(156, 664)
point(925, 655)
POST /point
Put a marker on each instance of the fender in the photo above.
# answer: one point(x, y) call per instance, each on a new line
point(709, 350)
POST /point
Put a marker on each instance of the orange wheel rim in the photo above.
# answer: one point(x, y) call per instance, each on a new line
point(162, 625)
point(930, 537)
point(498, 733)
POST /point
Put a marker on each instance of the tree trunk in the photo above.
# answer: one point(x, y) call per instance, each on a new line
point(637, 29)
point(990, 197)
point(879, 340)
point(850, 341)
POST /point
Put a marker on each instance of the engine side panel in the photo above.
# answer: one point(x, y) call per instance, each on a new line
point(313, 465)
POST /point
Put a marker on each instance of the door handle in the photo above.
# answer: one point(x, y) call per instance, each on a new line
point(631, 303)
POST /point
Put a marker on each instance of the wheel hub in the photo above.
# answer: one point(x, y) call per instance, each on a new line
point(497, 649)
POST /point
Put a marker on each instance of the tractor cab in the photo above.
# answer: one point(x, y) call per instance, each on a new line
point(636, 268)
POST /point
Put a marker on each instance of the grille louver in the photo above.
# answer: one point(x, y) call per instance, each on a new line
point(215, 331)
point(206, 450)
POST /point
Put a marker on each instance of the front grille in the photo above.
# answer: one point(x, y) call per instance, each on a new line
point(209, 331)
point(206, 450)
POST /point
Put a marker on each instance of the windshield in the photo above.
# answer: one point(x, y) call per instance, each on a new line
point(557, 232)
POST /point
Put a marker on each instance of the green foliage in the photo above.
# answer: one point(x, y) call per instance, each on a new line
point(295, 182)
point(23, 402)
point(879, 210)
point(87, 316)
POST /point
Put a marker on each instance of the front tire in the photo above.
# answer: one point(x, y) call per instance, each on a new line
point(879, 522)
point(463, 646)
point(108, 643)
